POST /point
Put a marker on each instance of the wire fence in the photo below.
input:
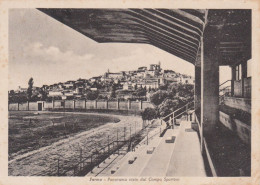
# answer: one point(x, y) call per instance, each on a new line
point(86, 161)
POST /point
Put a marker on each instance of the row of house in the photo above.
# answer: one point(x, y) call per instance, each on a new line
point(126, 81)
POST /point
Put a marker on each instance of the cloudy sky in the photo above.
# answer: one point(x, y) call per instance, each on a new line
point(50, 52)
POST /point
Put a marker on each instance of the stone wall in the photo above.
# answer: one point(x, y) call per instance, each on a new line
point(81, 105)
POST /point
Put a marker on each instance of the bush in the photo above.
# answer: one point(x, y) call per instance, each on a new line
point(158, 97)
point(92, 95)
point(167, 107)
point(149, 114)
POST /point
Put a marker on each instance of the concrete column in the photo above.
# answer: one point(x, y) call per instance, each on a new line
point(129, 104)
point(243, 76)
point(233, 78)
point(140, 105)
point(209, 83)
point(197, 92)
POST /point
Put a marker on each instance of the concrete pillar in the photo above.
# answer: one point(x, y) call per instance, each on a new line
point(140, 105)
point(233, 78)
point(243, 76)
point(129, 104)
point(197, 92)
point(209, 82)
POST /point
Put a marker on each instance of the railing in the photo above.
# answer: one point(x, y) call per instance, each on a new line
point(204, 147)
point(225, 91)
point(171, 118)
point(225, 82)
point(86, 164)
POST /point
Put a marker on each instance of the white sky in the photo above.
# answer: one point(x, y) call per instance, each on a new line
point(50, 52)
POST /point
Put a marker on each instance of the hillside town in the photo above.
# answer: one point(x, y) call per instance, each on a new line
point(123, 85)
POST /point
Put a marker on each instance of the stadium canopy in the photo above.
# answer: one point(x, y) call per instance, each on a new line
point(177, 31)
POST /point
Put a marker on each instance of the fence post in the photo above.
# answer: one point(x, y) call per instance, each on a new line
point(129, 104)
point(18, 106)
point(135, 128)
point(52, 104)
point(91, 164)
point(147, 137)
point(74, 104)
point(117, 136)
point(28, 108)
point(106, 104)
point(95, 104)
point(117, 141)
point(124, 134)
point(117, 105)
point(130, 135)
point(80, 159)
point(174, 119)
point(58, 172)
point(108, 144)
point(85, 104)
point(140, 105)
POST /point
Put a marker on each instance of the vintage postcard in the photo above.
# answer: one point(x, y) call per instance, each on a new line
point(162, 92)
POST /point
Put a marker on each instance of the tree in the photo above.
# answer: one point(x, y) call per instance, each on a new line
point(30, 87)
point(113, 91)
point(158, 97)
point(135, 87)
point(92, 95)
point(43, 94)
point(167, 107)
point(149, 114)
point(140, 92)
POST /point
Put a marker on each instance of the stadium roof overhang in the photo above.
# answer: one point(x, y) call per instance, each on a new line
point(177, 31)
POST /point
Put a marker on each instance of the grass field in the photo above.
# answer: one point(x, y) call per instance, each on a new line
point(29, 131)
point(36, 142)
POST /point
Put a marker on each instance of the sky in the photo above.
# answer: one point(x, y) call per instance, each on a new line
point(51, 52)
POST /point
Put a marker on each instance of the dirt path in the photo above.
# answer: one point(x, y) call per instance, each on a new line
point(44, 160)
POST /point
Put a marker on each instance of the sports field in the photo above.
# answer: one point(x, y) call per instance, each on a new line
point(29, 131)
point(36, 141)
